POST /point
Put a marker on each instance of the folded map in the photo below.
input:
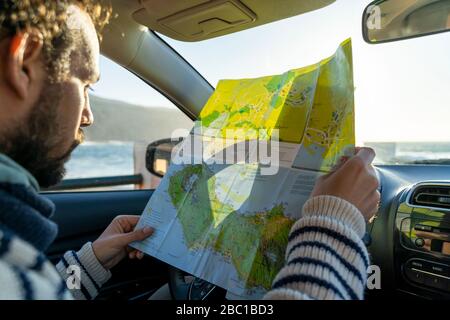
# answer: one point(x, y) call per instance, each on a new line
point(237, 183)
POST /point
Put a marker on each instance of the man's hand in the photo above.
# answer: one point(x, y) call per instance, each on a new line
point(112, 245)
point(355, 181)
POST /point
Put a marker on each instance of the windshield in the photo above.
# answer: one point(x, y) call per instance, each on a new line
point(401, 89)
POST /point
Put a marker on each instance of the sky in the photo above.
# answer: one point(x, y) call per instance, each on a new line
point(402, 88)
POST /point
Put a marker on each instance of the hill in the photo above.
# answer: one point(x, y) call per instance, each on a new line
point(121, 121)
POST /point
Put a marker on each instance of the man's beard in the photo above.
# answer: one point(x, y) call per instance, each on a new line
point(32, 144)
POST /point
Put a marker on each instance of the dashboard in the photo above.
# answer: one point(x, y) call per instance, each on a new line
point(410, 237)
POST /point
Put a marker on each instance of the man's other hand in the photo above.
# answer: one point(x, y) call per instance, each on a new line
point(355, 181)
point(112, 245)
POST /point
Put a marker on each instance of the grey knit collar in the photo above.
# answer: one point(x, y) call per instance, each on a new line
point(22, 210)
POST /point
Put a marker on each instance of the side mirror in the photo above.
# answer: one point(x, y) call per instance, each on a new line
point(392, 20)
point(158, 155)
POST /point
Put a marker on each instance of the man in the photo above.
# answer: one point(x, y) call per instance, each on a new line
point(49, 55)
point(49, 58)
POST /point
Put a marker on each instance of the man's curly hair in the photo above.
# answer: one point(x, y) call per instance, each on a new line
point(49, 18)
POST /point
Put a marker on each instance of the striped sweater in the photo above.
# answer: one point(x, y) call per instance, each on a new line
point(26, 231)
point(26, 274)
point(325, 257)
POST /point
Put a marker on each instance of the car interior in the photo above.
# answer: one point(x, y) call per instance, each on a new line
point(409, 239)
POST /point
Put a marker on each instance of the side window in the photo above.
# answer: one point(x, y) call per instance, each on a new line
point(128, 115)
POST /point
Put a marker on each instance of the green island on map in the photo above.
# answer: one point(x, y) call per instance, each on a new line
point(255, 243)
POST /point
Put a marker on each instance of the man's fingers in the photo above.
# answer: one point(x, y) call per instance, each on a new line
point(136, 254)
point(136, 235)
point(127, 222)
point(371, 203)
point(132, 219)
point(340, 163)
point(129, 249)
point(367, 158)
point(366, 154)
point(373, 172)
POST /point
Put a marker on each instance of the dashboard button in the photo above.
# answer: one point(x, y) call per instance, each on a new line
point(421, 227)
point(435, 282)
point(414, 276)
point(440, 270)
point(417, 264)
point(419, 242)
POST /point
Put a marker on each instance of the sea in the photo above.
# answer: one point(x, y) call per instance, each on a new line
point(114, 158)
point(101, 159)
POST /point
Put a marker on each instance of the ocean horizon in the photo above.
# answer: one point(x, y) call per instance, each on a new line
point(114, 158)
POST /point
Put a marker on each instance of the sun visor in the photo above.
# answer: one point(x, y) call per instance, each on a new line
point(195, 20)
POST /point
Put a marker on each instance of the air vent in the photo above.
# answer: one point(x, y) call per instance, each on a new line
point(431, 196)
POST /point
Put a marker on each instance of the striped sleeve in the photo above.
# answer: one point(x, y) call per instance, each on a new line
point(26, 274)
point(325, 256)
point(83, 273)
point(20, 284)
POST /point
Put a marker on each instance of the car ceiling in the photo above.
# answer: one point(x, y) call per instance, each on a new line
point(195, 20)
point(126, 39)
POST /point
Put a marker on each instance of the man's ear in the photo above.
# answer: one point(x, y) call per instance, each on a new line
point(24, 59)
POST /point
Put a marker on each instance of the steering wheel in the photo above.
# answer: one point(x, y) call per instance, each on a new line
point(194, 289)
